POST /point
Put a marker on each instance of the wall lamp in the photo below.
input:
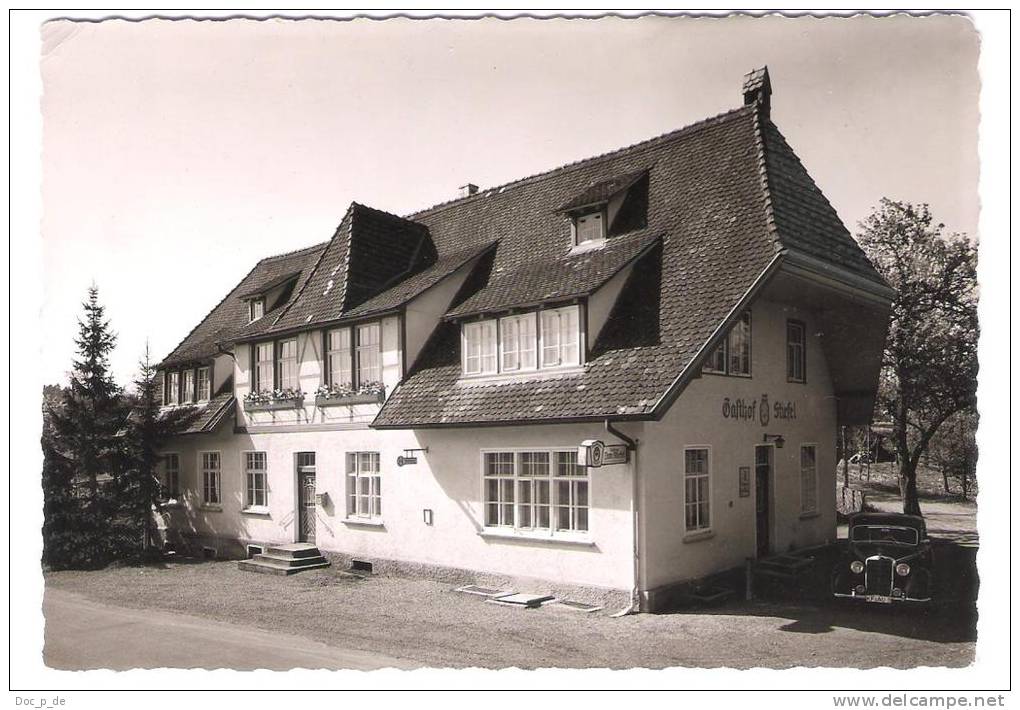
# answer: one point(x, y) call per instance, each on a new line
point(776, 439)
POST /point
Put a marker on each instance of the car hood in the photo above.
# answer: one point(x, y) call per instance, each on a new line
point(900, 553)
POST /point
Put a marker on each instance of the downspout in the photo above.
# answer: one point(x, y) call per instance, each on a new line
point(635, 595)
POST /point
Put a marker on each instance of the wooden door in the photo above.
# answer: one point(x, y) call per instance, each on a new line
point(762, 482)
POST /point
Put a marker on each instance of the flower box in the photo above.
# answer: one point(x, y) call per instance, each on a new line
point(274, 405)
point(349, 400)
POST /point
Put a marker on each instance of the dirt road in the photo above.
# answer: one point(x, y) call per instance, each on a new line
point(83, 634)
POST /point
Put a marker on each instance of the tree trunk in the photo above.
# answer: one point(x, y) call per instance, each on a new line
point(945, 479)
point(908, 486)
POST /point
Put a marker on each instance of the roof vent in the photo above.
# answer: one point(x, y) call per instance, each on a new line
point(468, 190)
point(758, 90)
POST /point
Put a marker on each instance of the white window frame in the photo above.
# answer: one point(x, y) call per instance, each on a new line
point(249, 503)
point(263, 367)
point(724, 348)
point(282, 362)
point(187, 386)
point(203, 488)
point(521, 352)
point(548, 315)
point(361, 350)
point(804, 509)
point(576, 227)
point(171, 489)
point(343, 355)
point(173, 387)
point(513, 527)
point(203, 394)
point(486, 337)
point(698, 529)
point(353, 476)
point(256, 309)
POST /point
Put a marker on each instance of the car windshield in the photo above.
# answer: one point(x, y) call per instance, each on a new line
point(880, 533)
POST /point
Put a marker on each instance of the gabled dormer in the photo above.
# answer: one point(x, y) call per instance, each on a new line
point(607, 208)
point(270, 295)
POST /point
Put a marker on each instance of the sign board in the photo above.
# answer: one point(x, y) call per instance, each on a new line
point(595, 454)
point(404, 460)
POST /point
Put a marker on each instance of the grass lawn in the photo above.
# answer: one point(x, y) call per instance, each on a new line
point(431, 623)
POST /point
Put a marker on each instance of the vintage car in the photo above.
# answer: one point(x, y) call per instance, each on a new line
point(888, 559)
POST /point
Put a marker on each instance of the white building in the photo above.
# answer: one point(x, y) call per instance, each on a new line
point(693, 298)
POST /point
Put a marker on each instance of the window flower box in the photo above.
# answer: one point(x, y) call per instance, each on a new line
point(333, 396)
point(272, 401)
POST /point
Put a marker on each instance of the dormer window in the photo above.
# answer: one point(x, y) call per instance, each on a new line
point(589, 228)
point(526, 342)
point(733, 356)
point(173, 388)
point(256, 309)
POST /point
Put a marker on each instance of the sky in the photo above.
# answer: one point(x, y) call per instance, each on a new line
point(176, 154)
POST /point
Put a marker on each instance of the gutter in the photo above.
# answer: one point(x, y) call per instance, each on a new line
point(635, 505)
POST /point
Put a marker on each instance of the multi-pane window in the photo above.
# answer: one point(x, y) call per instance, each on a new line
point(513, 343)
point(808, 478)
point(173, 388)
point(364, 495)
point(733, 356)
point(264, 367)
point(210, 477)
point(188, 394)
point(287, 363)
point(560, 337)
point(517, 342)
point(696, 490)
point(480, 348)
point(531, 491)
point(204, 386)
point(256, 309)
point(590, 227)
point(256, 494)
point(171, 476)
point(367, 352)
point(338, 357)
point(796, 361)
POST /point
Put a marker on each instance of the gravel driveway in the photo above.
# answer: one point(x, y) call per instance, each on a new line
point(430, 623)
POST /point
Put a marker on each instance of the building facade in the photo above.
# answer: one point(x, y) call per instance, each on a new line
point(435, 391)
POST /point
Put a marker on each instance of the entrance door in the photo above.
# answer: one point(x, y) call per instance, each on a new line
point(306, 496)
point(762, 479)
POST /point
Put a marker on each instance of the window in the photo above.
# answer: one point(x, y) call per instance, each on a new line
point(188, 392)
point(796, 364)
point(256, 493)
point(256, 309)
point(173, 388)
point(368, 354)
point(560, 337)
point(733, 356)
point(263, 368)
point(517, 343)
point(171, 476)
point(590, 227)
point(338, 357)
point(535, 491)
point(287, 364)
point(364, 497)
point(808, 478)
point(204, 385)
point(696, 490)
point(480, 348)
point(210, 477)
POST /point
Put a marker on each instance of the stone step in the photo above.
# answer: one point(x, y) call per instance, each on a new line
point(293, 550)
point(289, 561)
point(283, 567)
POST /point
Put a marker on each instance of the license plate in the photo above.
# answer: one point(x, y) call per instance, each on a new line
point(878, 598)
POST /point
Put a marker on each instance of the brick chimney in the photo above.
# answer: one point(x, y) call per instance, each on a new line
point(468, 190)
point(758, 90)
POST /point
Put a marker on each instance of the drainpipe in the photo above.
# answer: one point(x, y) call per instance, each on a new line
point(632, 445)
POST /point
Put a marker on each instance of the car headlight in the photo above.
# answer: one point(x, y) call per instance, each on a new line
point(856, 566)
point(903, 569)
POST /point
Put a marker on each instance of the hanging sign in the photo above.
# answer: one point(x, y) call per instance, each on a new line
point(595, 454)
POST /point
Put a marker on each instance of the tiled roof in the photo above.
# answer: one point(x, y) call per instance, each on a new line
point(205, 417)
point(230, 316)
point(602, 191)
point(269, 286)
point(569, 276)
point(727, 194)
point(370, 252)
point(414, 286)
